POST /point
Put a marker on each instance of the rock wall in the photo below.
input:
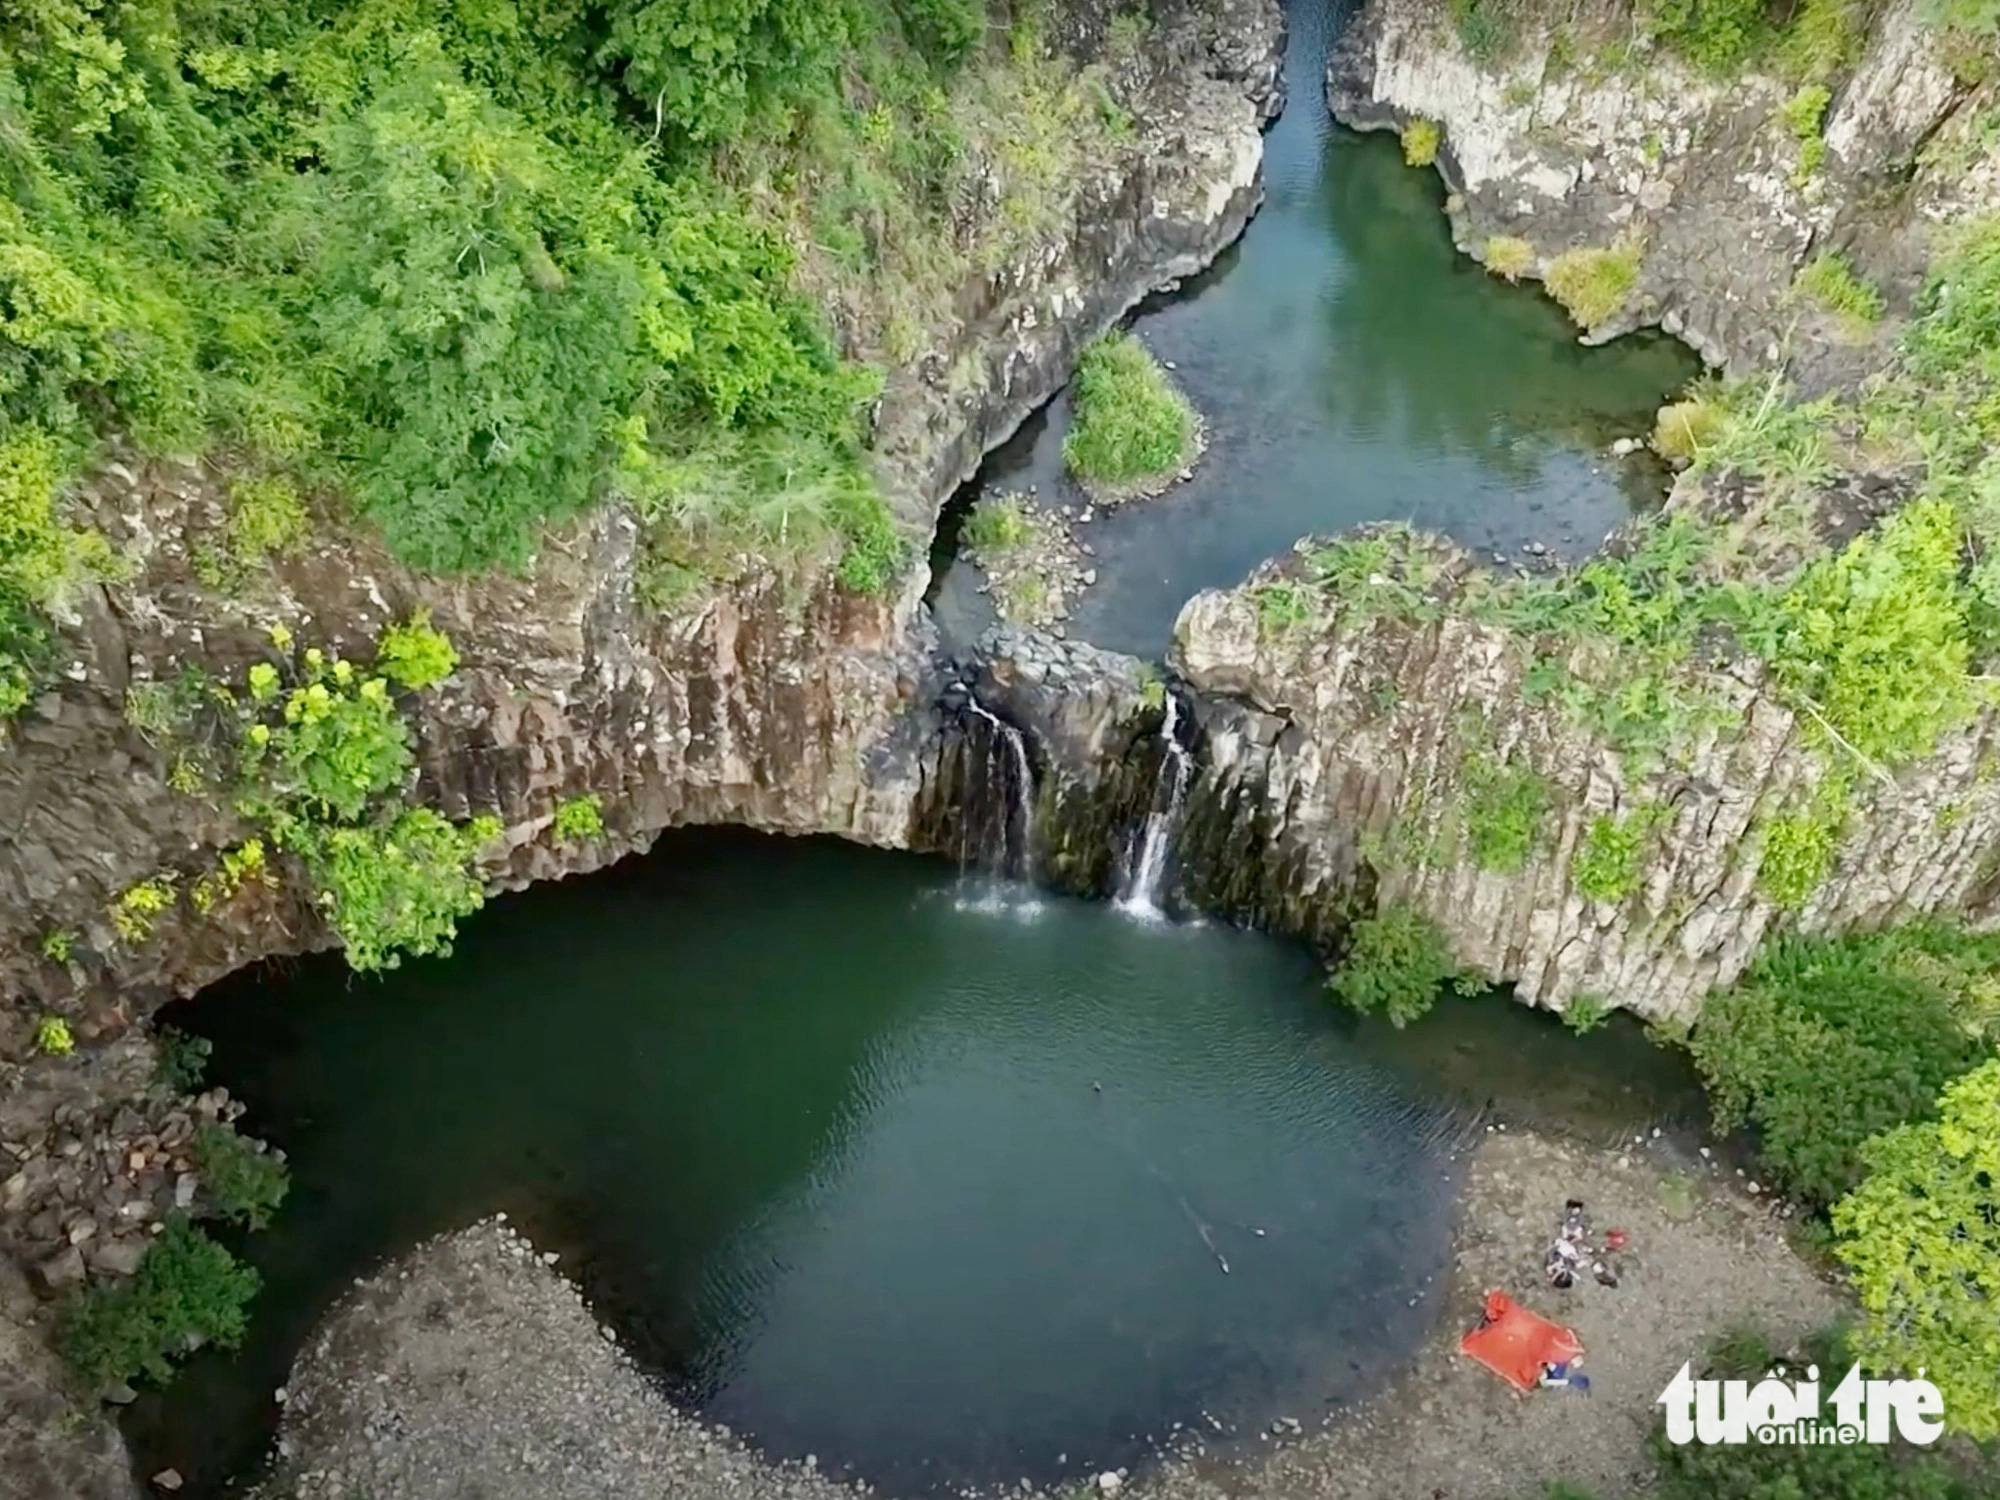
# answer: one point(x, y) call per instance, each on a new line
point(1704, 173)
point(1331, 778)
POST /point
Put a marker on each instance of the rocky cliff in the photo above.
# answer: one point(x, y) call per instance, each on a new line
point(1570, 139)
point(778, 703)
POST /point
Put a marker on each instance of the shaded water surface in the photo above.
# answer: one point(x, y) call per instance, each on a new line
point(936, 1189)
point(1352, 367)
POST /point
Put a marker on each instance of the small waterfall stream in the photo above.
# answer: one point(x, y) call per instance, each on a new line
point(1143, 881)
point(1017, 831)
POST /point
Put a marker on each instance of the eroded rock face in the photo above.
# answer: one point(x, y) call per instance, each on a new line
point(1706, 175)
point(1334, 760)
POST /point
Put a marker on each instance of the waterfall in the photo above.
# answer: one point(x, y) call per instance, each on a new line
point(1017, 830)
point(1141, 895)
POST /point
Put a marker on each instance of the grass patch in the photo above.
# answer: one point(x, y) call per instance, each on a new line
point(1684, 430)
point(1799, 846)
point(1131, 423)
point(1509, 256)
point(1828, 281)
point(1421, 139)
point(999, 523)
point(1593, 285)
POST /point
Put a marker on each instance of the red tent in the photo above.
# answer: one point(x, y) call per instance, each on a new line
point(1514, 1343)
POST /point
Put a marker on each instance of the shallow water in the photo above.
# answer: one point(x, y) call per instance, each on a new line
point(1351, 367)
point(935, 1188)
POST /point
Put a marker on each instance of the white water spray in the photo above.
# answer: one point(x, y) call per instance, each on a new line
point(1017, 855)
point(1141, 896)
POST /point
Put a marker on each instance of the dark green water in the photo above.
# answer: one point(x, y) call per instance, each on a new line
point(1352, 367)
point(934, 1190)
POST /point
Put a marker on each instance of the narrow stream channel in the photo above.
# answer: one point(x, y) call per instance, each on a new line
point(1351, 367)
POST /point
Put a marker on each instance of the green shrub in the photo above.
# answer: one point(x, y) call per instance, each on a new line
point(1508, 256)
point(138, 907)
point(1130, 421)
point(1486, 28)
point(1421, 139)
point(340, 742)
point(1922, 1236)
point(1825, 1042)
point(579, 818)
point(1825, 38)
point(1585, 1013)
point(1720, 35)
point(1282, 607)
point(188, 1289)
point(53, 1037)
point(1876, 639)
point(1607, 861)
point(1504, 809)
point(396, 887)
point(246, 1182)
point(1799, 847)
point(415, 656)
point(59, 945)
point(40, 558)
point(1829, 281)
point(1801, 115)
point(1395, 963)
point(183, 1059)
point(266, 517)
point(999, 523)
point(1593, 285)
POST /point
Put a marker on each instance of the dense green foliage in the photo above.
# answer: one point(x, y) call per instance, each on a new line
point(1606, 867)
point(472, 265)
point(244, 1180)
point(324, 765)
point(415, 656)
point(396, 885)
point(187, 1288)
point(1395, 963)
point(1505, 804)
point(578, 819)
point(1828, 1041)
point(1130, 421)
point(1922, 1236)
point(39, 557)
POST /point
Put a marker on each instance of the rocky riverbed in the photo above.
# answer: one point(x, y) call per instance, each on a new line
point(471, 1367)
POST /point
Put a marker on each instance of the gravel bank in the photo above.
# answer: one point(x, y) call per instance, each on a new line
point(473, 1369)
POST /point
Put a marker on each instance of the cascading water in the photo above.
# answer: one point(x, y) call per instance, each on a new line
point(1148, 869)
point(1016, 854)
